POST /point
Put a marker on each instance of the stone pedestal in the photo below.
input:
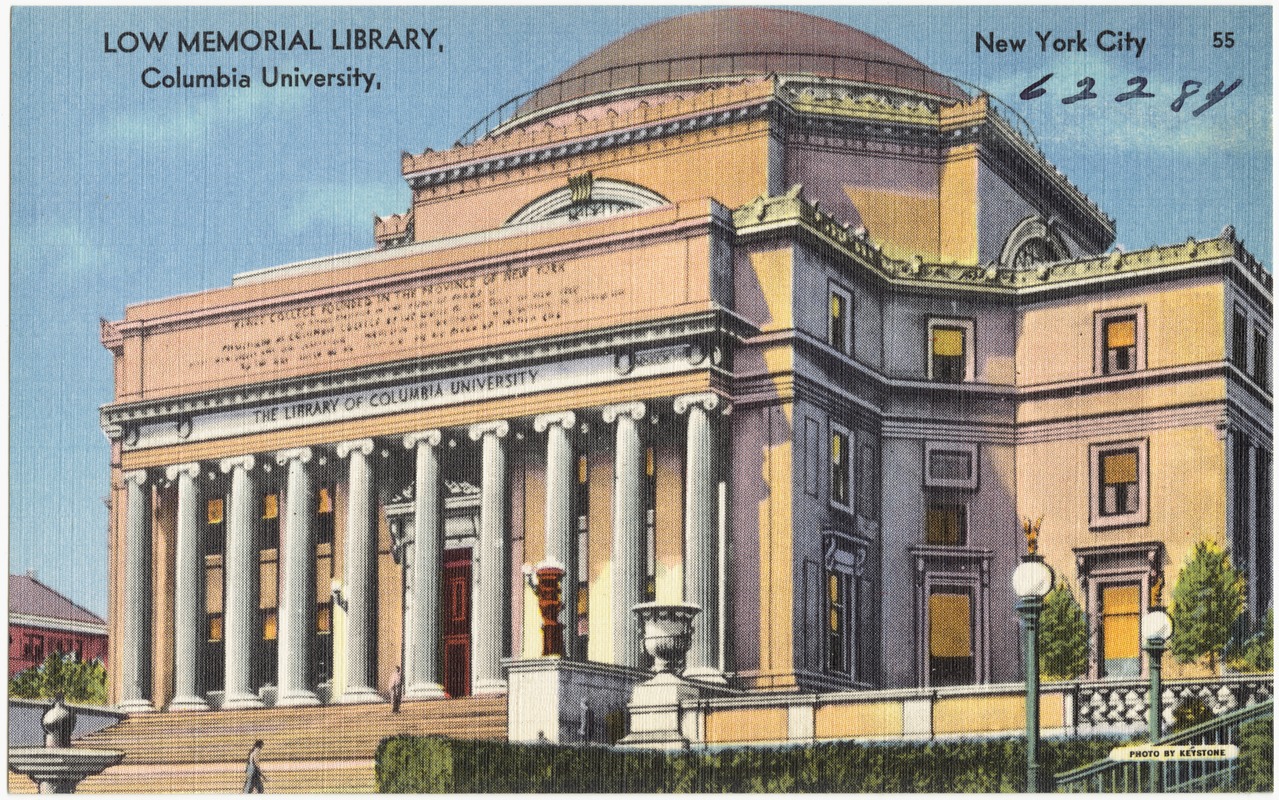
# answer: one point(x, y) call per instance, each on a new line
point(654, 712)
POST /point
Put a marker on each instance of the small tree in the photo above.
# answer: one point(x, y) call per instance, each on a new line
point(1064, 636)
point(1206, 601)
point(77, 681)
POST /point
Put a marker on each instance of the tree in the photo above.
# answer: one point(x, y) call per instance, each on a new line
point(1206, 601)
point(1064, 636)
point(77, 681)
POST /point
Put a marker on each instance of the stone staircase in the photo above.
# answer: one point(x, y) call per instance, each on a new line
point(326, 749)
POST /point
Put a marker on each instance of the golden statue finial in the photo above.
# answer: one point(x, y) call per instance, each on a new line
point(1032, 534)
point(1157, 590)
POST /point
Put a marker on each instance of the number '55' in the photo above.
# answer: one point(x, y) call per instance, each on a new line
point(1223, 39)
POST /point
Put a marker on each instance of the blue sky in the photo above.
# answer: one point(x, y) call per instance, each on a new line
point(121, 193)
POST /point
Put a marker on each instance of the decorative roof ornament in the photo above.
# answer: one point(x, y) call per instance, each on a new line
point(1031, 530)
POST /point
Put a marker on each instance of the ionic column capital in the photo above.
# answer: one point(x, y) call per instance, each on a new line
point(361, 446)
point(137, 476)
point(707, 400)
point(498, 428)
point(174, 471)
point(245, 462)
point(565, 419)
point(634, 410)
point(412, 440)
point(300, 454)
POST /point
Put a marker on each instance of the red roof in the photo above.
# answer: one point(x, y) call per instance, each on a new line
point(29, 596)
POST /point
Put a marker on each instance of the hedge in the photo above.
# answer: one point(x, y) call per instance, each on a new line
point(436, 764)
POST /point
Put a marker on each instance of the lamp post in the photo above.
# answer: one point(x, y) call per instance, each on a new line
point(1032, 580)
point(1156, 632)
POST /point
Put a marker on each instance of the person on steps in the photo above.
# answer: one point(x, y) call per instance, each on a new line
point(253, 772)
point(397, 690)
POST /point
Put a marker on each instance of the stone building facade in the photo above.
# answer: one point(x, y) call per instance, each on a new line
point(797, 337)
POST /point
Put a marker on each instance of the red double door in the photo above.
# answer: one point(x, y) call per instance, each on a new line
point(456, 597)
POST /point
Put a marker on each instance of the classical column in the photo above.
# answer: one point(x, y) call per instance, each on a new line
point(489, 629)
point(188, 595)
point(629, 545)
point(136, 669)
point(422, 623)
point(360, 589)
point(297, 592)
point(241, 568)
point(701, 474)
point(559, 511)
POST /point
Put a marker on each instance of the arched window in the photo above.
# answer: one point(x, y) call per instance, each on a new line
point(586, 197)
point(1034, 241)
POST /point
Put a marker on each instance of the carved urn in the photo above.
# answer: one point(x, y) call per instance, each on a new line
point(668, 633)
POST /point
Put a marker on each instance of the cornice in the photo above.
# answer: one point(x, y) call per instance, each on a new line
point(773, 215)
point(709, 327)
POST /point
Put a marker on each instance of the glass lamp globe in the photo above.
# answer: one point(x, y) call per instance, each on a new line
point(1156, 624)
point(1032, 579)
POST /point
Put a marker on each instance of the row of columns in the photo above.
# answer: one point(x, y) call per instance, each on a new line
point(422, 626)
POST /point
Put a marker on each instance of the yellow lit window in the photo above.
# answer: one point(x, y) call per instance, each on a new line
point(1121, 630)
point(270, 623)
point(1120, 353)
point(948, 342)
point(648, 461)
point(945, 525)
point(1119, 485)
point(214, 511)
point(949, 626)
point(948, 354)
point(581, 469)
point(271, 506)
point(323, 618)
point(839, 473)
point(325, 501)
point(215, 627)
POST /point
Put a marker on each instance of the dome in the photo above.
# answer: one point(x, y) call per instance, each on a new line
point(728, 42)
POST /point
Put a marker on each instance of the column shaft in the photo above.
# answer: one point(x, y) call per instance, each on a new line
point(360, 589)
point(189, 592)
point(700, 534)
point(298, 590)
point(489, 630)
point(559, 528)
point(242, 570)
point(136, 672)
point(426, 562)
point(629, 545)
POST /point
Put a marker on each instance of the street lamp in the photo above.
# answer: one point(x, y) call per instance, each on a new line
point(1156, 632)
point(1032, 580)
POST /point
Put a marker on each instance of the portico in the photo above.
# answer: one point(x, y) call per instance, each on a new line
point(457, 488)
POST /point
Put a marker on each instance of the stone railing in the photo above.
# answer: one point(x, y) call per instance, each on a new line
point(1124, 706)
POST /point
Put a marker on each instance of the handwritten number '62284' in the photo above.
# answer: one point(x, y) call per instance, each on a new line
point(1189, 89)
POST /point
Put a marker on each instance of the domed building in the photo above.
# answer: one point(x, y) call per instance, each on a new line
point(748, 309)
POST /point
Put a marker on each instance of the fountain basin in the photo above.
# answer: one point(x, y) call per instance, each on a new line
point(59, 769)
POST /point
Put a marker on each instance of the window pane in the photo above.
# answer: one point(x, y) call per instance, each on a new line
point(950, 465)
point(325, 501)
point(949, 626)
point(214, 511)
point(271, 506)
point(1119, 467)
point(1121, 630)
point(1121, 333)
point(948, 341)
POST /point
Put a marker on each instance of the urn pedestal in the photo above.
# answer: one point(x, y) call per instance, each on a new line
point(58, 767)
point(654, 711)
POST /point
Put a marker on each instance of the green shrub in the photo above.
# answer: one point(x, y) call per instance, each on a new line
point(1256, 756)
point(433, 765)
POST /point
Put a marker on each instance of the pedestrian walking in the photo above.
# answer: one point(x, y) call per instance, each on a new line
point(253, 771)
point(397, 690)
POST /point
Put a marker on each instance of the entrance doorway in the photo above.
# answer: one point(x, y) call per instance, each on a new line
point(457, 622)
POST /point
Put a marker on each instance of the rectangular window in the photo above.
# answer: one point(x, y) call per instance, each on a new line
point(1119, 341)
point(839, 472)
point(950, 465)
point(950, 350)
point(1121, 345)
point(214, 526)
point(946, 524)
point(270, 522)
point(1121, 631)
point(951, 658)
point(1239, 340)
point(867, 479)
point(1260, 357)
point(837, 328)
point(324, 515)
point(582, 506)
point(1119, 484)
point(838, 587)
point(1119, 489)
